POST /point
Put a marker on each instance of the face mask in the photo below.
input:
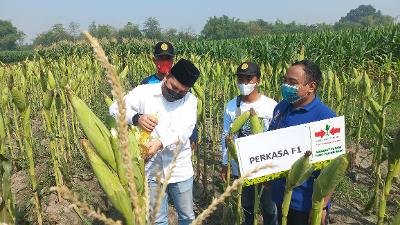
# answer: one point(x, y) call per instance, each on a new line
point(246, 89)
point(170, 95)
point(164, 66)
point(290, 93)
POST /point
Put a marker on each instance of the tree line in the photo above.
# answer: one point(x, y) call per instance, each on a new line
point(222, 27)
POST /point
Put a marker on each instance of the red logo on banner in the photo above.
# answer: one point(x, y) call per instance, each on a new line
point(333, 131)
point(320, 134)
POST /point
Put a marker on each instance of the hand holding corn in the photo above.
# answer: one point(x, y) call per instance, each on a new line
point(147, 122)
point(153, 147)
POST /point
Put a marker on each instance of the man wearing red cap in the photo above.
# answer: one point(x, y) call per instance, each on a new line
point(176, 110)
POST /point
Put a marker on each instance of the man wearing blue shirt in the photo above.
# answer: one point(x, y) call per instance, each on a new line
point(300, 105)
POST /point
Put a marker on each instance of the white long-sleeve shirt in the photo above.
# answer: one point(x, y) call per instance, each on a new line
point(176, 121)
point(264, 108)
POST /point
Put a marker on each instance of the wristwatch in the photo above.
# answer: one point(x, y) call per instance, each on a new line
point(135, 118)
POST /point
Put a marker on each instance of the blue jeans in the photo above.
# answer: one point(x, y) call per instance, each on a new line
point(268, 207)
point(181, 194)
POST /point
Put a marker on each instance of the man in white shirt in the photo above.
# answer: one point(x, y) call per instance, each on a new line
point(248, 79)
point(168, 111)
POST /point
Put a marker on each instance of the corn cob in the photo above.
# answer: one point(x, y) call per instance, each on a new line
point(64, 82)
point(51, 80)
point(376, 108)
point(110, 183)
point(338, 89)
point(118, 157)
point(393, 167)
point(255, 124)
point(375, 122)
point(199, 108)
point(358, 77)
point(94, 129)
point(239, 122)
point(2, 129)
point(58, 102)
point(19, 99)
point(389, 87)
point(231, 147)
point(4, 97)
point(137, 162)
point(298, 174)
point(367, 85)
point(144, 137)
point(43, 80)
point(48, 99)
point(326, 183)
point(198, 91)
point(381, 92)
point(107, 100)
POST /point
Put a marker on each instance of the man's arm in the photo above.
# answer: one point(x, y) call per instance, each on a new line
point(227, 121)
point(132, 104)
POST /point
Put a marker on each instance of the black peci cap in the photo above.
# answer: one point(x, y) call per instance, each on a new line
point(185, 72)
point(248, 68)
point(164, 48)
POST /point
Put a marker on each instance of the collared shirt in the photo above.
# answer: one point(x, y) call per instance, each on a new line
point(176, 121)
point(285, 115)
point(152, 79)
point(264, 107)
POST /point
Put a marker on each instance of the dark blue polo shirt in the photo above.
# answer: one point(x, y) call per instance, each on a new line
point(285, 116)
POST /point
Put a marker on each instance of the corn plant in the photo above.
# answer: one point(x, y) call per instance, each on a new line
point(325, 184)
point(299, 172)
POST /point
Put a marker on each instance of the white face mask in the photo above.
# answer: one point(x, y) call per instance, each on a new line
point(246, 89)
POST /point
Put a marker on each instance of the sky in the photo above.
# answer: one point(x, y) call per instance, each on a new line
point(34, 17)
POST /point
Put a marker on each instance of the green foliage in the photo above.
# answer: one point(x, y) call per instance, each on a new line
point(223, 27)
point(55, 34)
point(130, 30)
point(15, 56)
point(152, 29)
point(364, 15)
point(9, 35)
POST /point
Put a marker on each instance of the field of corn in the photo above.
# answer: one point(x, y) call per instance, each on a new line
point(57, 140)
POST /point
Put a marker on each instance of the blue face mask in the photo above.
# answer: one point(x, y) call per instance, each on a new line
point(290, 93)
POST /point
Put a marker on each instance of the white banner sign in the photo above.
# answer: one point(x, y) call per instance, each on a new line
point(282, 147)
